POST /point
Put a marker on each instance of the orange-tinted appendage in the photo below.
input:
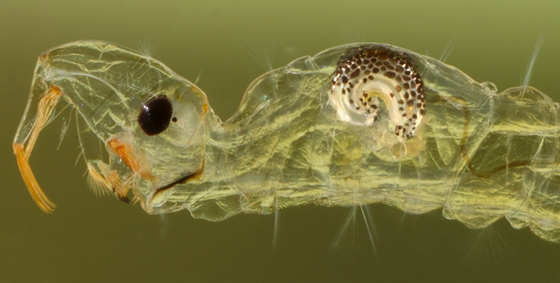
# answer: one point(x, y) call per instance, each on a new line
point(128, 156)
point(32, 186)
point(46, 106)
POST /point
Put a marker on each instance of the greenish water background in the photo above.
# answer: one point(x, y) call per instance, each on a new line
point(228, 44)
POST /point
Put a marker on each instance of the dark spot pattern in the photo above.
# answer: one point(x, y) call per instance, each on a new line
point(398, 75)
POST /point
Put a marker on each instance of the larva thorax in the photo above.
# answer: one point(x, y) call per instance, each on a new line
point(368, 73)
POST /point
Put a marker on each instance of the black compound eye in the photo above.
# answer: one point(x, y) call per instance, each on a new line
point(155, 115)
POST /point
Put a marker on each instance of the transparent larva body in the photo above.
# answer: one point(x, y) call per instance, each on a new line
point(298, 139)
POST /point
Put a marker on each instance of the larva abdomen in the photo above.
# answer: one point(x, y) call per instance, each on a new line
point(514, 171)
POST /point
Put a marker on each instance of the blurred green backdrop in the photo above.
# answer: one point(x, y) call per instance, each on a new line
point(226, 44)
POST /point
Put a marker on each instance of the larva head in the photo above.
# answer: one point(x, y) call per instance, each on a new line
point(370, 73)
point(140, 125)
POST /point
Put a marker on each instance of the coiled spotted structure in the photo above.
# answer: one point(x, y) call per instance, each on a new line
point(369, 72)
